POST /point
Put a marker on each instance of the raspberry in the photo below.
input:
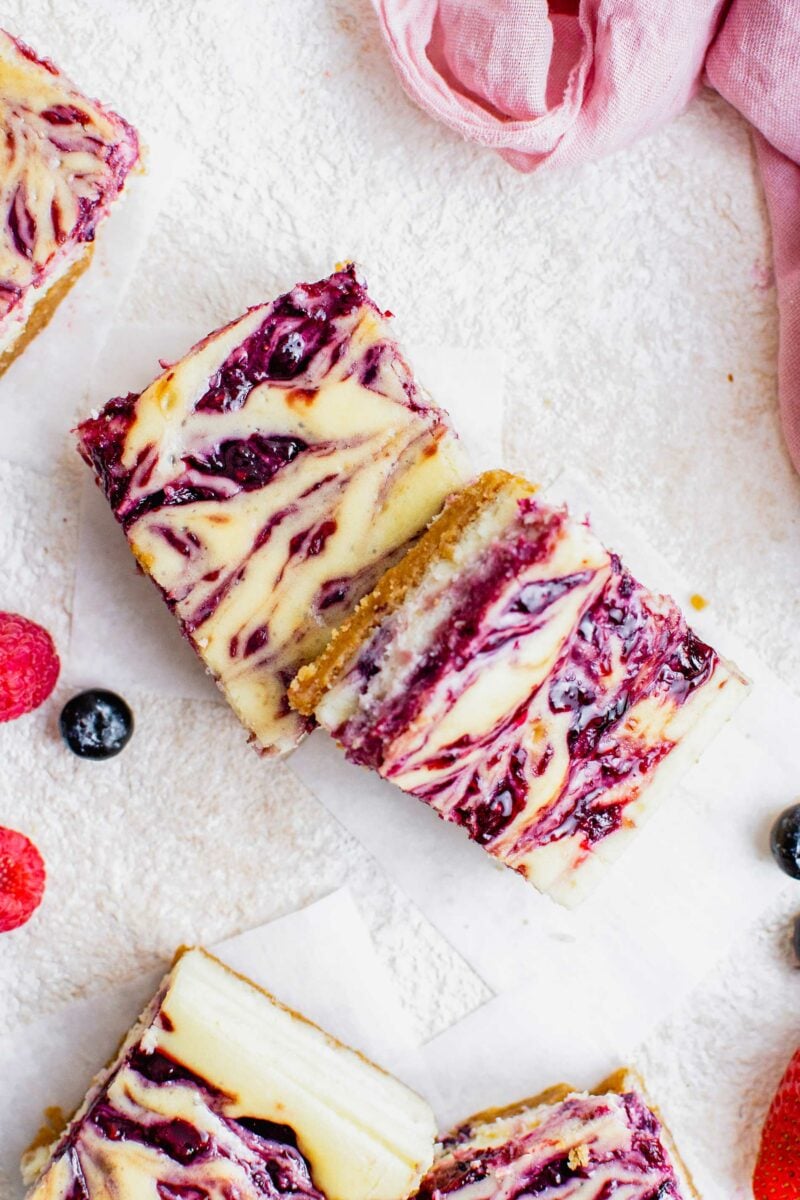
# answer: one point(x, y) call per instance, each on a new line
point(29, 665)
point(777, 1173)
point(22, 877)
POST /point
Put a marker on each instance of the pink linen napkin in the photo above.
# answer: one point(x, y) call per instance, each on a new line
point(557, 83)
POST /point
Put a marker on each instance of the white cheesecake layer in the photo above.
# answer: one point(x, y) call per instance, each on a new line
point(260, 1104)
point(265, 520)
point(580, 1147)
point(527, 688)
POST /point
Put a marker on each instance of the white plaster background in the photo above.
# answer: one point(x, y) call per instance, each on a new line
point(623, 295)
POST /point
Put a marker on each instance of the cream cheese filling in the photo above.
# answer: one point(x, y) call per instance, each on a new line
point(484, 737)
point(363, 1134)
point(260, 571)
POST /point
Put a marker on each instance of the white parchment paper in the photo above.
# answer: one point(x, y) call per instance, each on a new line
point(44, 390)
point(123, 636)
point(696, 876)
point(320, 961)
point(516, 1046)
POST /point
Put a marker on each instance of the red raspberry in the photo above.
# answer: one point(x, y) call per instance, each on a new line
point(777, 1173)
point(22, 877)
point(29, 665)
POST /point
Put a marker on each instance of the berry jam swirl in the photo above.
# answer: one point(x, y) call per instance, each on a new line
point(65, 158)
point(541, 705)
point(584, 1147)
point(267, 479)
point(156, 1119)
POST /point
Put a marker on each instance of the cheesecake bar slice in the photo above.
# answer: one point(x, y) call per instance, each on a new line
point(510, 672)
point(219, 1092)
point(562, 1145)
point(64, 160)
point(267, 479)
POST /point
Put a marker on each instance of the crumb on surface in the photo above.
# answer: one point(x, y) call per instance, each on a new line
point(54, 1122)
point(698, 602)
point(578, 1157)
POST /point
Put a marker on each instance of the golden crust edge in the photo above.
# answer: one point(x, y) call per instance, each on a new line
point(317, 677)
point(44, 310)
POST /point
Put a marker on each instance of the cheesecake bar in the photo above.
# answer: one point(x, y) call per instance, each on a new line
point(511, 673)
point(219, 1092)
point(562, 1145)
point(64, 160)
point(267, 479)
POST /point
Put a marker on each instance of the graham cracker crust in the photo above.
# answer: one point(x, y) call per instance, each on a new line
point(438, 542)
point(44, 310)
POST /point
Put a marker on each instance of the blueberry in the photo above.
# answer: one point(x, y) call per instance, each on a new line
point(785, 841)
point(96, 724)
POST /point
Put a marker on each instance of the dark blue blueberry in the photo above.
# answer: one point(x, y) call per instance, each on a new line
point(96, 724)
point(785, 841)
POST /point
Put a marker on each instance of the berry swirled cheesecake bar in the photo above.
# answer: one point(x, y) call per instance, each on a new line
point(64, 161)
point(267, 479)
point(562, 1145)
point(218, 1092)
point(511, 673)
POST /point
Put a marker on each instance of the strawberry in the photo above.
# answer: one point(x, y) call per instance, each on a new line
point(777, 1173)
point(22, 877)
point(29, 665)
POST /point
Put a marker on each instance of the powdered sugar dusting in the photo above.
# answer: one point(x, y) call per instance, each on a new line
point(621, 296)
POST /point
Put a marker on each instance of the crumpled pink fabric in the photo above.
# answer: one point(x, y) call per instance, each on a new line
point(549, 84)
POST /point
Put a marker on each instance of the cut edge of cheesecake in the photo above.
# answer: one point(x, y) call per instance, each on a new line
point(46, 299)
point(44, 1150)
point(45, 307)
point(183, 951)
point(40, 1153)
point(621, 1081)
point(438, 542)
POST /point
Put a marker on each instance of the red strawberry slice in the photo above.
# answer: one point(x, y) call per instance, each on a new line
point(777, 1173)
point(29, 665)
point(22, 877)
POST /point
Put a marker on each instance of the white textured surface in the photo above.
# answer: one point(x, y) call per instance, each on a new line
point(623, 295)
